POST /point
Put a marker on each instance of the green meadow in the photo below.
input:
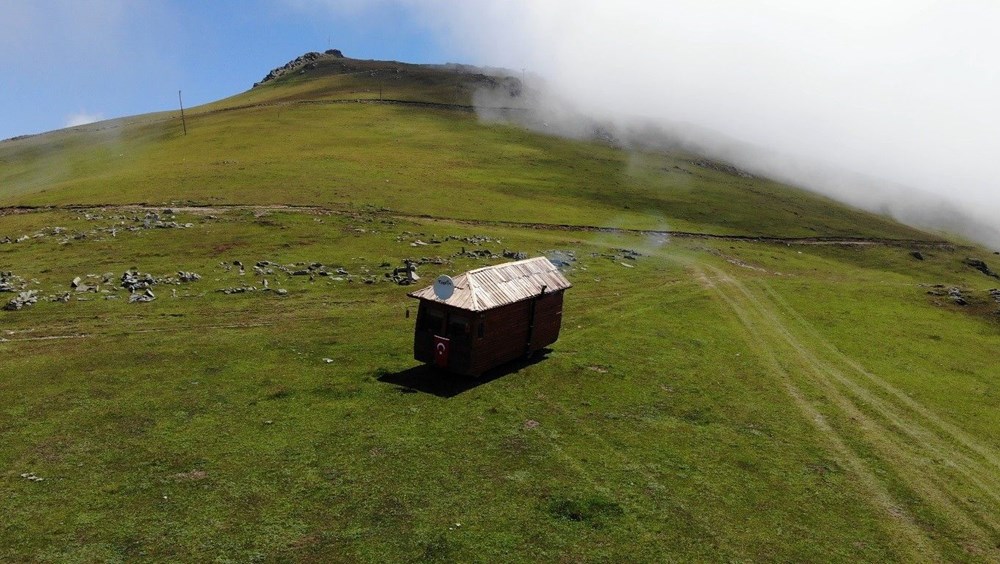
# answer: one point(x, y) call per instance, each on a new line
point(714, 399)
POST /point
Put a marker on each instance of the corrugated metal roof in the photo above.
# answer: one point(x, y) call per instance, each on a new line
point(495, 286)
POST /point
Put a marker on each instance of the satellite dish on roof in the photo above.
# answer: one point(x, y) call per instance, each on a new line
point(444, 287)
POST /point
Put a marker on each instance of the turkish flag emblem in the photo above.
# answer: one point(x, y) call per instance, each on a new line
point(441, 351)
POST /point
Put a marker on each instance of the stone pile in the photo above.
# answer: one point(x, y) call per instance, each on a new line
point(404, 276)
point(135, 281)
point(22, 300)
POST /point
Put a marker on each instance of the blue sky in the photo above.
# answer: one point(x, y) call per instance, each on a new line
point(66, 60)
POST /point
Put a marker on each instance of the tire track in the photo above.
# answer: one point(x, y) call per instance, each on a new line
point(900, 443)
point(988, 454)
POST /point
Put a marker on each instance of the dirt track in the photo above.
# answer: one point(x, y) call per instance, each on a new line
point(885, 418)
point(848, 241)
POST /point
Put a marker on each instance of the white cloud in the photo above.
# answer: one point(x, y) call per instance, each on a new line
point(82, 118)
point(903, 90)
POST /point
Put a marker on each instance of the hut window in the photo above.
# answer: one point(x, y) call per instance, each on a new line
point(482, 329)
point(458, 326)
point(432, 321)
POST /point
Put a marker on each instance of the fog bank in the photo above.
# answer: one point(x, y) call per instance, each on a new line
point(886, 104)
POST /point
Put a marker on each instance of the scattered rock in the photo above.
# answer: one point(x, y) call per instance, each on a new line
point(32, 477)
point(9, 282)
point(957, 297)
point(728, 169)
point(515, 255)
point(617, 255)
point(238, 290)
point(917, 255)
point(481, 253)
point(472, 239)
point(561, 259)
point(145, 296)
point(188, 276)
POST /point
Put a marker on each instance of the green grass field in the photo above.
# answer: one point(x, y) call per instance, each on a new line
point(713, 400)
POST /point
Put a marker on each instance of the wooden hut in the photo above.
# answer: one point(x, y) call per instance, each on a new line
point(493, 315)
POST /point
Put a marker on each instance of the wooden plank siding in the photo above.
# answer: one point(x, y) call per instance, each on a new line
point(496, 314)
point(504, 333)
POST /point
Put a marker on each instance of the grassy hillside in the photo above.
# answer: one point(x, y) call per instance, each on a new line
point(306, 140)
point(712, 399)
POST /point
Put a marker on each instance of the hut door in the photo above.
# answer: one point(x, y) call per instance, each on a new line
point(441, 350)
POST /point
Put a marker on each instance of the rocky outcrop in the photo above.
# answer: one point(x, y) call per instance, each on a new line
point(307, 61)
point(981, 266)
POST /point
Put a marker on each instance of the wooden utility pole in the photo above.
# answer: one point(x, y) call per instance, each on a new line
point(183, 122)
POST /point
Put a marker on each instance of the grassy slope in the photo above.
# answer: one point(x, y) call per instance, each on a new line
point(725, 401)
point(438, 162)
